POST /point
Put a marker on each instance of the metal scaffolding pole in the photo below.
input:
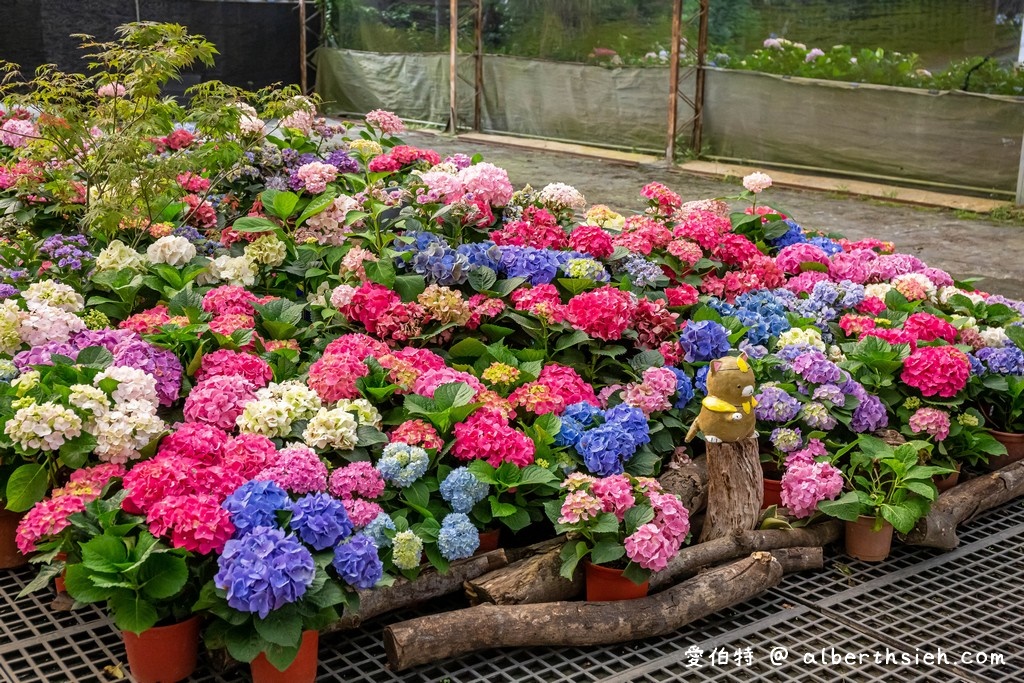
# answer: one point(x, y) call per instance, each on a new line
point(453, 65)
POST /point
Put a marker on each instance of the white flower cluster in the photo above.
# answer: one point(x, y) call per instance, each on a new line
point(234, 270)
point(43, 426)
point(174, 251)
point(877, 290)
point(364, 411)
point(333, 428)
point(133, 384)
point(995, 337)
point(53, 293)
point(559, 196)
point(44, 323)
point(118, 256)
point(88, 398)
point(122, 431)
point(277, 407)
point(10, 327)
point(796, 335)
point(945, 293)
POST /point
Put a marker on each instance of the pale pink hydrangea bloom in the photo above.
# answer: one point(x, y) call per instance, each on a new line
point(111, 90)
point(615, 493)
point(804, 485)
point(315, 176)
point(579, 506)
point(931, 420)
point(386, 122)
point(814, 54)
point(16, 132)
point(487, 182)
point(757, 182)
point(650, 548)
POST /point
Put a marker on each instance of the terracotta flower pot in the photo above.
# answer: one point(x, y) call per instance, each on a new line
point(772, 489)
point(866, 544)
point(163, 654)
point(10, 557)
point(605, 584)
point(302, 670)
point(1014, 443)
point(58, 581)
point(489, 541)
point(949, 481)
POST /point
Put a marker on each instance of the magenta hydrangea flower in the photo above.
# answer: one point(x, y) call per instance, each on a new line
point(297, 469)
point(248, 453)
point(615, 493)
point(195, 522)
point(228, 362)
point(196, 440)
point(219, 400)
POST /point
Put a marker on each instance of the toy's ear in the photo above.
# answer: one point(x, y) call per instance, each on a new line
point(716, 365)
point(741, 362)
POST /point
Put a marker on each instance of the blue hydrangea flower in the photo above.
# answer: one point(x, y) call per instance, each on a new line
point(978, 368)
point(606, 448)
point(264, 570)
point(377, 529)
point(486, 254)
point(458, 538)
point(569, 432)
point(539, 266)
point(829, 246)
point(320, 520)
point(704, 340)
point(255, 504)
point(632, 420)
point(795, 235)
point(700, 380)
point(684, 387)
point(642, 273)
point(357, 562)
point(582, 412)
point(462, 490)
point(442, 265)
point(402, 464)
point(752, 350)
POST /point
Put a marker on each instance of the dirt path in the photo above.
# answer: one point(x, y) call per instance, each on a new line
point(965, 248)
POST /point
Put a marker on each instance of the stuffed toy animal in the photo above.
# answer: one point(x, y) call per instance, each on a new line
point(727, 412)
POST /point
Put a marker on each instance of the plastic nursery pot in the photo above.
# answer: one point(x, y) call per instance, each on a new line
point(302, 670)
point(10, 557)
point(605, 584)
point(1014, 443)
point(949, 481)
point(163, 654)
point(488, 541)
point(58, 581)
point(866, 544)
point(772, 482)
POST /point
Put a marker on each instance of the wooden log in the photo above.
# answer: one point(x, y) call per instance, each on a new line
point(452, 634)
point(532, 579)
point(800, 559)
point(535, 577)
point(735, 488)
point(740, 543)
point(428, 585)
point(964, 502)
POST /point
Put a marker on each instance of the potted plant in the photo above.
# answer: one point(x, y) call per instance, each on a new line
point(148, 588)
point(289, 568)
point(888, 489)
point(1001, 399)
point(625, 527)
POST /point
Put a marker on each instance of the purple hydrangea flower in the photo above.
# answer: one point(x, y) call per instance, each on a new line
point(162, 364)
point(775, 405)
point(816, 368)
point(264, 570)
point(357, 562)
point(632, 420)
point(870, 415)
point(255, 504)
point(831, 393)
point(342, 161)
point(8, 291)
point(320, 520)
point(40, 355)
point(704, 340)
point(1008, 360)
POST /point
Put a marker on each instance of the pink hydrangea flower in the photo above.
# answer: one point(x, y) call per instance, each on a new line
point(361, 512)
point(334, 376)
point(593, 240)
point(928, 327)
point(487, 182)
point(671, 516)
point(650, 548)
point(297, 469)
point(937, 370)
point(428, 382)
point(47, 518)
point(603, 313)
point(219, 400)
point(153, 480)
point(360, 478)
point(315, 175)
point(417, 433)
point(385, 121)
point(930, 420)
point(228, 362)
point(196, 523)
point(229, 300)
point(486, 435)
point(615, 493)
point(757, 182)
point(580, 506)
point(791, 259)
point(804, 485)
point(195, 440)
point(248, 453)
point(645, 397)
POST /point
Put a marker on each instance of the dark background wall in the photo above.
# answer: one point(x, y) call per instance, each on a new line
point(258, 41)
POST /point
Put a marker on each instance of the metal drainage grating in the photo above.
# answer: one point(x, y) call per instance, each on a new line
point(992, 522)
point(32, 617)
point(970, 604)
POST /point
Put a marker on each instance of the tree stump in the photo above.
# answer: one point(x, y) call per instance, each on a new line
point(735, 488)
point(535, 578)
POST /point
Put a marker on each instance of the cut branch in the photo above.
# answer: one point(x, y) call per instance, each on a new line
point(964, 502)
point(452, 634)
point(735, 488)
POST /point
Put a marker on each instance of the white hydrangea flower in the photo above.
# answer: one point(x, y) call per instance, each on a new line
point(174, 251)
point(266, 416)
point(123, 431)
point(995, 337)
point(810, 336)
point(364, 411)
point(332, 428)
point(89, 398)
point(118, 256)
point(267, 250)
point(300, 401)
point(877, 290)
point(43, 426)
point(10, 326)
point(44, 323)
point(133, 384)
point(53, 293)
point(235, 270)
point(559, 196)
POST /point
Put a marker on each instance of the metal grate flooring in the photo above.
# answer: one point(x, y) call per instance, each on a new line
point(922, 615)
